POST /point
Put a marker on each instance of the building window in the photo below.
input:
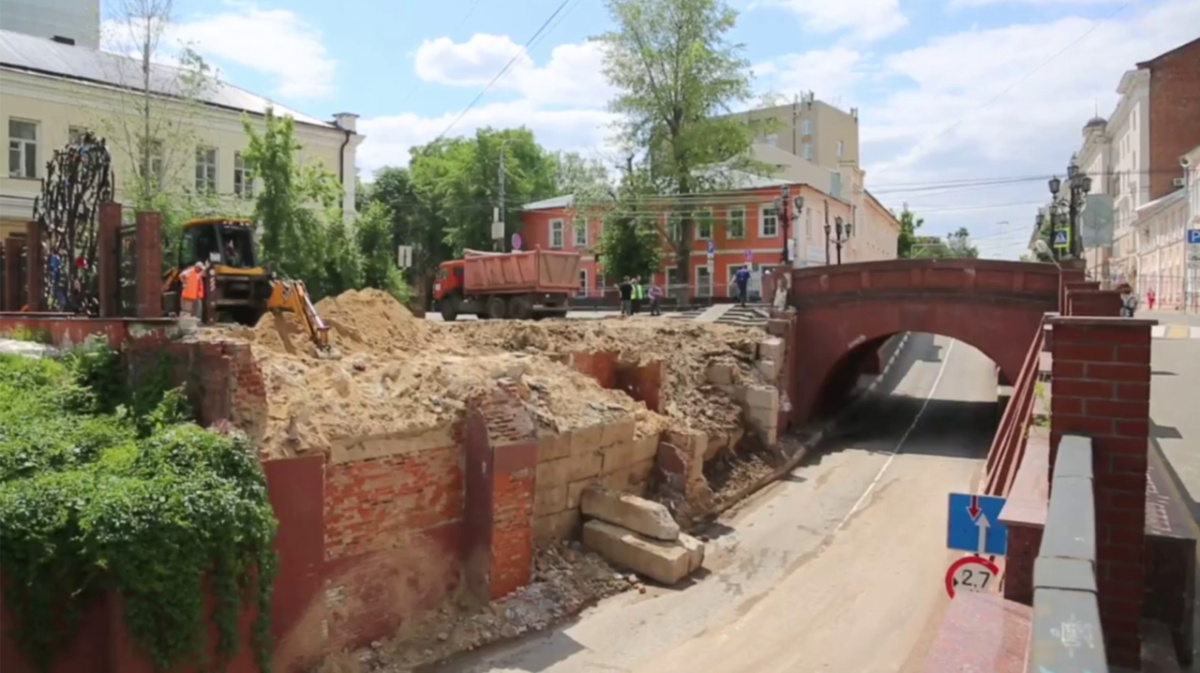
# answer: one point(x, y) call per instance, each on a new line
point(206, 170)
point(736, 223)
point(806, 151)
point(22, 148)
point(583, 283)
point(75, 134)
point(768, 222)
point(556, 233)
point(672, 227)
point(704, 224)
point(672, 280)
point(243, 179)
point(581, 237)
point(806, 127)
point(703, 282)
point(841, 148)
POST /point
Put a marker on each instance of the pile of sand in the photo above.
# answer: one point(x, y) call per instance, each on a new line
point(686, 349)
point(359, 321)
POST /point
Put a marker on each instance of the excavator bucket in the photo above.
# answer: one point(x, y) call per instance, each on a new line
point(292, 296)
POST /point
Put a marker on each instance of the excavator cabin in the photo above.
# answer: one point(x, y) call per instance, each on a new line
point(239, 286)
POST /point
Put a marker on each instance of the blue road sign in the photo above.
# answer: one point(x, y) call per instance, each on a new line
point(1193, 236)
point(711, 247)
point(973, 524)
point(1060, 238)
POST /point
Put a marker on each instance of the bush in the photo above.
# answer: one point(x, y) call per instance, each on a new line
point(97, 495)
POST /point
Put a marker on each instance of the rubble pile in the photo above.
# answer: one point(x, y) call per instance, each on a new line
point(566, 580)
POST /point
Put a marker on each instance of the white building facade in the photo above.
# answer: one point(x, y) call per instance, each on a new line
point(1128, 177)
point(50, 92)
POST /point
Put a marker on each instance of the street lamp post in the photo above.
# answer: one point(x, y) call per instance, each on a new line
point(1078, 185)
point(781, 207)
point(842, 231)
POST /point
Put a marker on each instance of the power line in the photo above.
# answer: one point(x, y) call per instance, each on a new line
point(503, 70)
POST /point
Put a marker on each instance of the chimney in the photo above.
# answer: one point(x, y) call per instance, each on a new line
point(346, 121)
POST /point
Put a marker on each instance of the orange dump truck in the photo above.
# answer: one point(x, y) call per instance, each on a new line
point(519, 285)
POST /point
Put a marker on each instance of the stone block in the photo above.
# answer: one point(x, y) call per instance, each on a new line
point(760, 417)
point(639, 472)
point(575, 492)
point(645, 448)
point(558, 526)
point(772, 349)
point(639, 515)
point(552, 446)
point(583, 466)
point(766, 397)
point(721, 373)
point(553, 473)
point(619, 480)
point(664, 562)
point(695, 549)
point(549, 500)
point(586, 439)
point(618, 456)
point(768, 368)
point(618, 431)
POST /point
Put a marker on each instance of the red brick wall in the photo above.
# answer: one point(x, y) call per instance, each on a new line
point(1174, 114)
point(1101, 375)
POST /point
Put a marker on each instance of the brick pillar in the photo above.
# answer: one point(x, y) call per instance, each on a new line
point(1100, 388)
point(148, 273)
point(1068, 274)
point(109, 264)
point(13, 246)
point(501, 468)
point(34, 268)
point(1094, 303)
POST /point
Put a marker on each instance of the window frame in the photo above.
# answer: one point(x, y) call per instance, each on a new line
point(729, 223)
point(580, 226)
point(582, 290)
point(762, 220)
point(27, 149)
point(206, 184)
point(243, 177)
point(708, 290)
point(557, 226)
point(705, 215)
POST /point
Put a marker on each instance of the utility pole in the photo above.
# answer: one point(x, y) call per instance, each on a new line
point(826, 232)
point(499, 242)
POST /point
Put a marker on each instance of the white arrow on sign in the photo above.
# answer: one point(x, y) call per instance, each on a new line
point(983, 524)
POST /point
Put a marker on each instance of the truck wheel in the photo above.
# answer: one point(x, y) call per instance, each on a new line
point(520, 308)
point(495, 308)
point(449, 309)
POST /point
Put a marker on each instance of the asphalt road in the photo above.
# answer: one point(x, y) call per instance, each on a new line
point(1174, 389)
point(836, 569)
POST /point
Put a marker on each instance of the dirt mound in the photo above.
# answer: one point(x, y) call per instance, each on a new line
point(359, 321)
point(686, 348)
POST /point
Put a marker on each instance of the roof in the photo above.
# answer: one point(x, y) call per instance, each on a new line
point(42, 56)
point(1160, 204)
point(1151, 62)
point(552, 203)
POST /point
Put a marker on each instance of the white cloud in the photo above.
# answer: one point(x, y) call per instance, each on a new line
point(573, 76)
point(956, 4)
point(274, 42)
point(864, 20)
point(390, 137)
point(829, 73)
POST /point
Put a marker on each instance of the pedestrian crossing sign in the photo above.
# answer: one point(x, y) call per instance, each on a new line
point(1060, 238)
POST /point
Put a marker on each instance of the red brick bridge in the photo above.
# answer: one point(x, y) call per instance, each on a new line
point(1100, 570)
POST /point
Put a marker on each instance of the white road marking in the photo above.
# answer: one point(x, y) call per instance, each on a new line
point(900, 444)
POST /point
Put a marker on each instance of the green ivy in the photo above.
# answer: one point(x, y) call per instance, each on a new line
point(101, 490)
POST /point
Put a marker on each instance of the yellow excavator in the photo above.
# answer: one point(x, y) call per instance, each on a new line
point(238, 288)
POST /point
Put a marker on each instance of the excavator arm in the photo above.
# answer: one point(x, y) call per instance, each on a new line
point(291, 295)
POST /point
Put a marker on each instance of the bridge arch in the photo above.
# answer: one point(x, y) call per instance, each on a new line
point(844, 311)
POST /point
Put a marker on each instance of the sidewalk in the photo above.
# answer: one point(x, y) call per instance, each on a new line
point(1172, 324)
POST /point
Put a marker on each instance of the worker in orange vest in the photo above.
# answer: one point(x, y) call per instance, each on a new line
point(193, 290)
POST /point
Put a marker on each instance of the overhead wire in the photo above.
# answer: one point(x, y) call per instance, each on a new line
point(461, 22)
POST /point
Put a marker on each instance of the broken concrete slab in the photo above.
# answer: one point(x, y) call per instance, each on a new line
point(762, 396)
point(721, 373)
point(768, 368)
point(695, 550)
point(664, 562)
point(637, 514)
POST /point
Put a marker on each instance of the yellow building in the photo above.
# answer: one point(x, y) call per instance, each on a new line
point(51, 90)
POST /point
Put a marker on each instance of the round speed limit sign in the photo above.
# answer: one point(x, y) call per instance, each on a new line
point(971, 573)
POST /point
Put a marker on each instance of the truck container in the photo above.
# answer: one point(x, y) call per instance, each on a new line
point(518, 285)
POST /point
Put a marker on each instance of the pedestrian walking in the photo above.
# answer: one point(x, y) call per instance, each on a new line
point(1150, 297)
point(1129, 300)
point(656, 295)
point(742, 280)
point(192, 296)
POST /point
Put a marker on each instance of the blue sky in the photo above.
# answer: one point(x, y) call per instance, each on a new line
point(949, 91)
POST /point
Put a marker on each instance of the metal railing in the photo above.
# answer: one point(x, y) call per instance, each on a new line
point(1066, 635)
point(1008, 446)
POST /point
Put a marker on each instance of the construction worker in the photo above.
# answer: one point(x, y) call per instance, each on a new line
point(192, 279)
point(638, 295)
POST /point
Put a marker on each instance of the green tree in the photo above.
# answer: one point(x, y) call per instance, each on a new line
point(414, 221)
point(630, 243)
point(374, 230)
point(303, 234)
point(959, 245)
point(909, 225)
point(676, 70)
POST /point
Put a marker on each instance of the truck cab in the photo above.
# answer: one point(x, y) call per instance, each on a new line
point(449, 279)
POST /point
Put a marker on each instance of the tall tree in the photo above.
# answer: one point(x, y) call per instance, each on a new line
point(676, 70)
point(910, 224)
point(630, 243)
point(959, 244)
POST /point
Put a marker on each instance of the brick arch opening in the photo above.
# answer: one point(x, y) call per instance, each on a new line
point(844, 313)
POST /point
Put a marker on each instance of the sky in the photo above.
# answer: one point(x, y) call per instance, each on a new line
point(966, 107)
